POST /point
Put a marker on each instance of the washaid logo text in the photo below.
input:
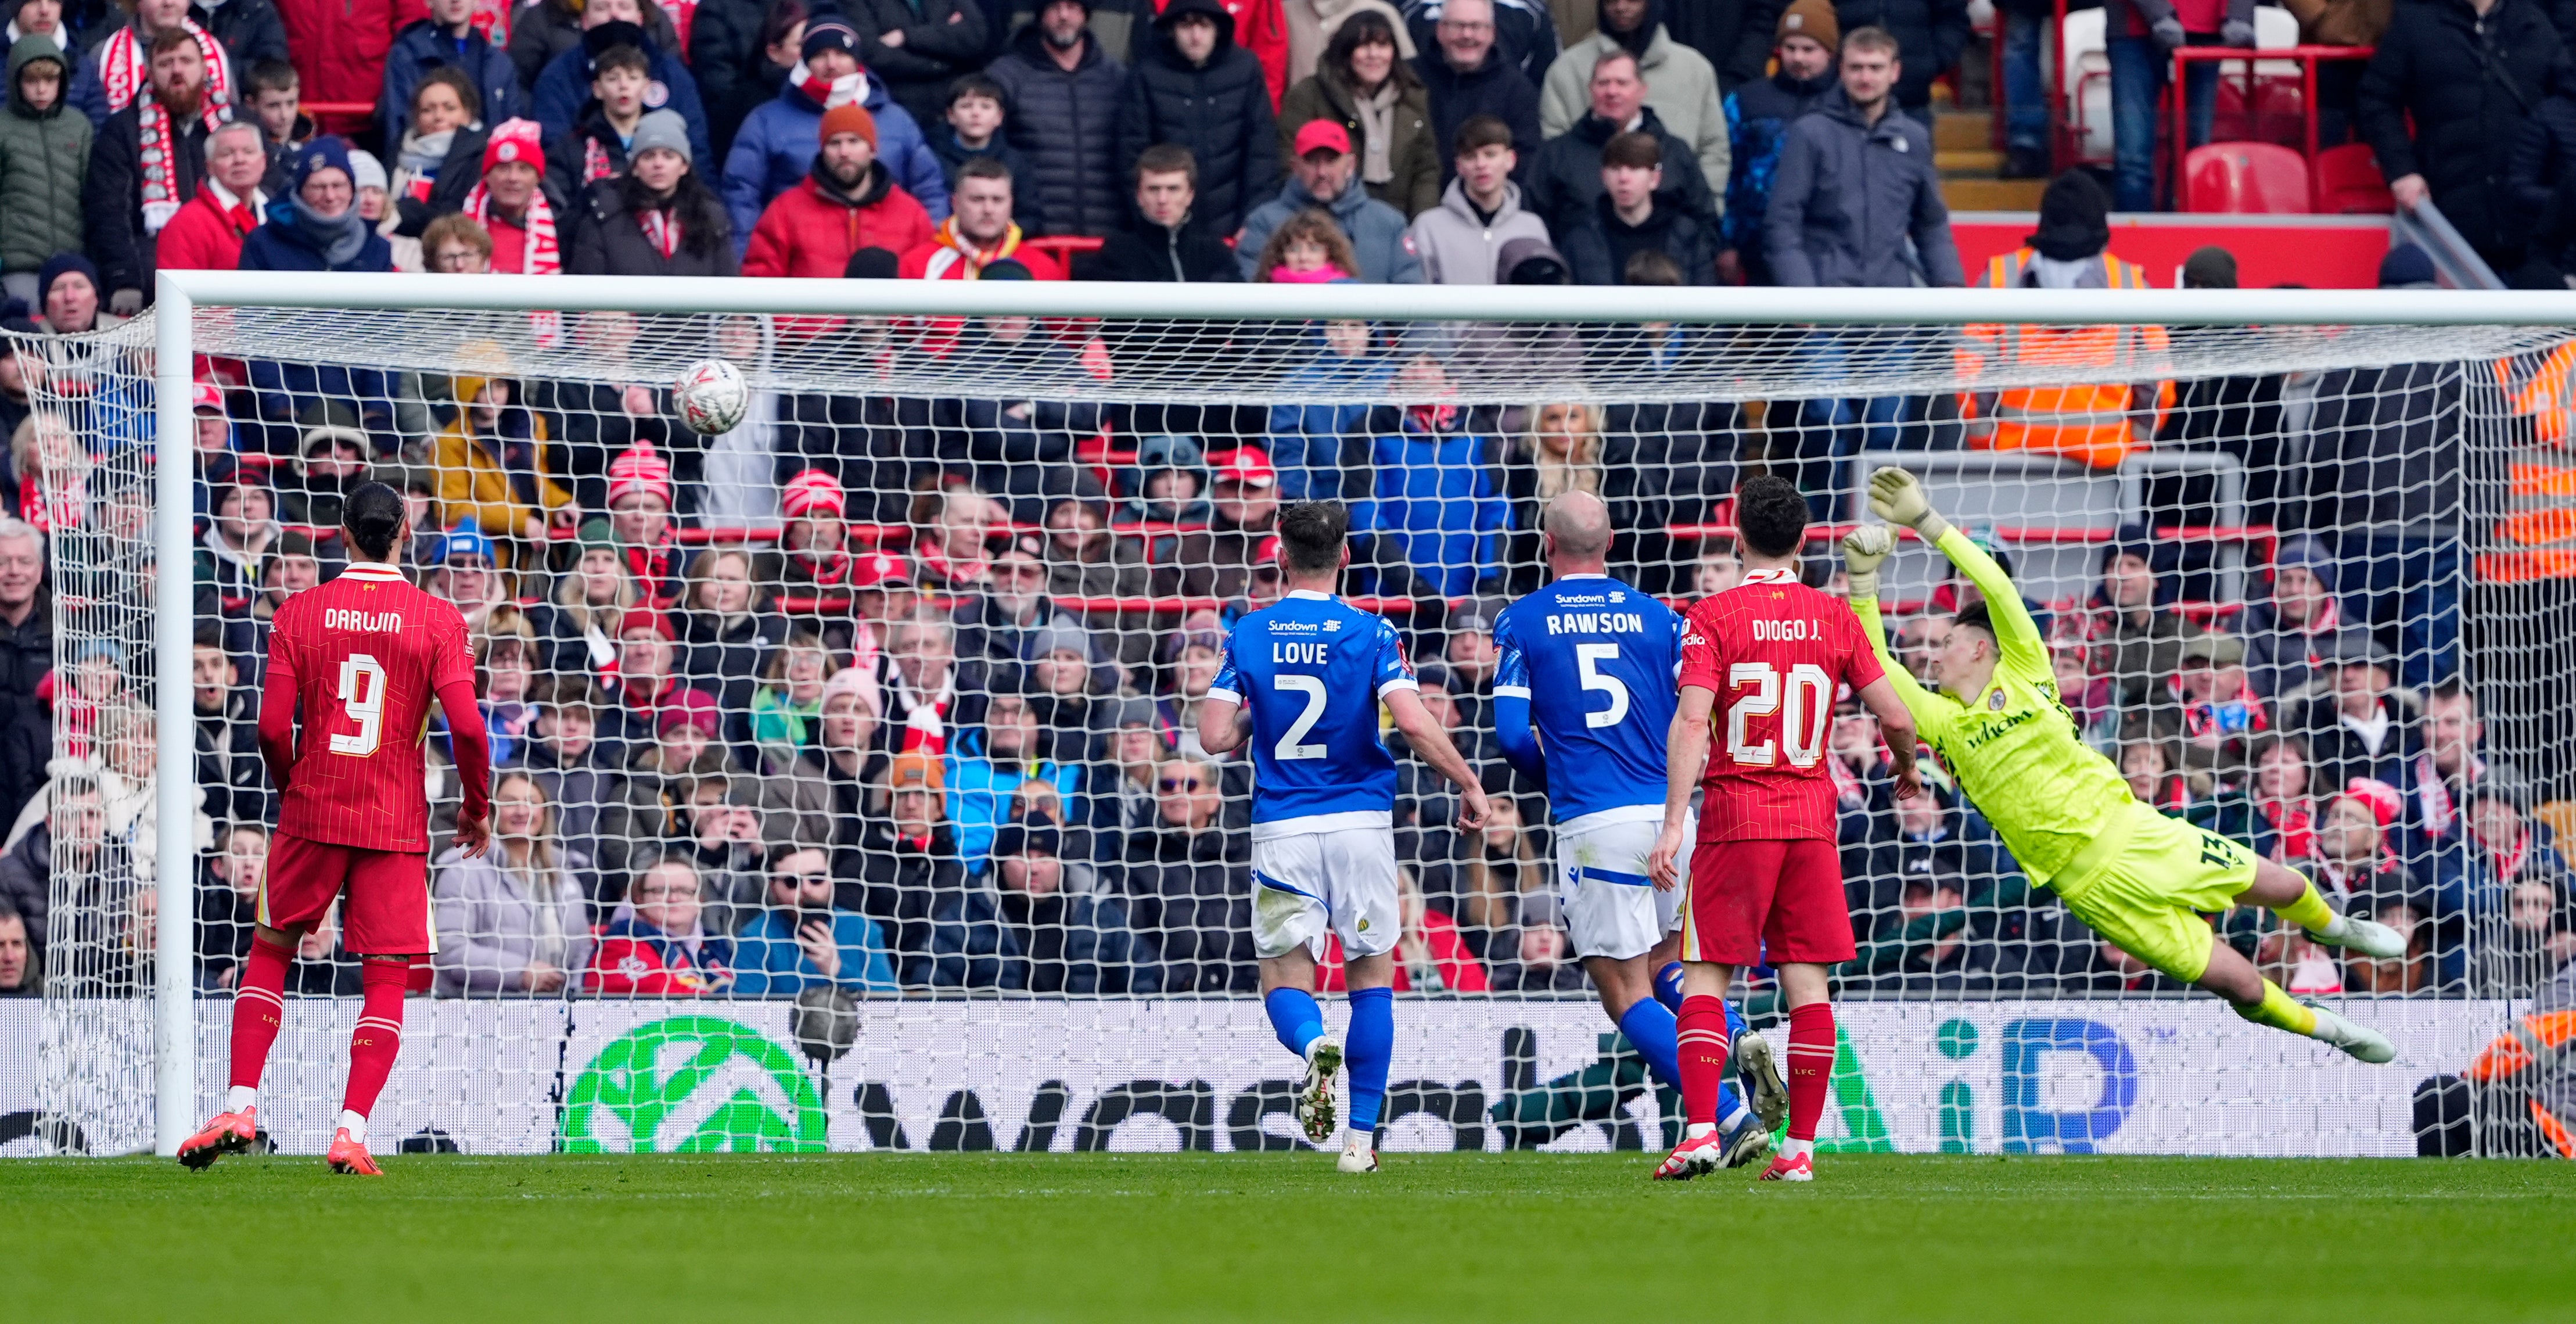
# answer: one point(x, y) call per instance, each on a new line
point(692, 1084)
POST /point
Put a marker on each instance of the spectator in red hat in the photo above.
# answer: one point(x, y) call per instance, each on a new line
point(849, 200)
point(884, 589)
point(508, 197)
point(639, 515)
point(821, 563)
point(1218, 561)
point(1324, 174)
point(207, 234)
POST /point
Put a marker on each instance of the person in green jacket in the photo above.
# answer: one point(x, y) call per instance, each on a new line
point(44, 153)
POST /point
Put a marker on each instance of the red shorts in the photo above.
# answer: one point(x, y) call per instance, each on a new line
point(389, 909)
point(1765, 902)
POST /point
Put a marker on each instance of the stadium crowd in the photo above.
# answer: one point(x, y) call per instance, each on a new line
point(895, 692)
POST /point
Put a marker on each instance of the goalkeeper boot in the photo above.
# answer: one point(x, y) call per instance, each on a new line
point(2366, 936)
point(1315, 1097)
point(1785, 1168)
point(1753, 1057)
point(1747, 1144)
point(228, 1133)
point(1358, 1155)
point(1696, 1156)
point(2361, 1041)
point(349, 1157)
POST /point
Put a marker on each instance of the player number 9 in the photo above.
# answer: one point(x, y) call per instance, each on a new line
point(362, 697)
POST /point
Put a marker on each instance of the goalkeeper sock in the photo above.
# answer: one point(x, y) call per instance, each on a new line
point(1371, 1048)
point(377, 1040)
point(1668, 987)
point(2281, 1011)
point(1705, 1059)
point(1652, 1031)
point(1731, 1112)
point(1811, 1067)
point(259, 1011)
point(1296, 1018)
point(2309, 912)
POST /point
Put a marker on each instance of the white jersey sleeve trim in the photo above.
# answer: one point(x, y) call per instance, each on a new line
point(1511, 691)
point(1228, 696)
point(1399, 683)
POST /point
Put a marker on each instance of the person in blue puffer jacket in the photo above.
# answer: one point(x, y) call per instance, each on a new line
point(778, 142)
point(1438, 497)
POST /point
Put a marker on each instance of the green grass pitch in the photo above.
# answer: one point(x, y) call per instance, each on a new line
point(1275, 1237)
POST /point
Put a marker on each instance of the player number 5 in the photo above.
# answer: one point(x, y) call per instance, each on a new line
point(1584, 656)
point(1313, 688)
point(362, 697)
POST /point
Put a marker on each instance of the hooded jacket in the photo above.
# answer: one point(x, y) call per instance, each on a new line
point(778, 142)
point(1413, 153)
point(1848, 196)
point(420, 48)
point(1681, 89)
point(1376, 231)
point(2469, 83)
point(1496, 88)
point(1758, 116)
point(44, 156)
point(562, 95)
point(547, 28)
point(811, 229)
point(1066, 123)
point(1458, 248)
point(1220, 111)
point(1599, 248)
point(1566, 177)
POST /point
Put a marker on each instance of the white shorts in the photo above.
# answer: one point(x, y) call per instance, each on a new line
point(1340, 881)
point(1612, 908)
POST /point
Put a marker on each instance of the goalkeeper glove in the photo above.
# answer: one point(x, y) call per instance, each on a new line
point(1864, 550)
point(1894, 496)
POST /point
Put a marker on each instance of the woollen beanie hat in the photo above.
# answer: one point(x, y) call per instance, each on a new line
point(662, 128)
point(61, 265)
point(2074, 219)
point(515, 140)
point(848, 117)
point(1810, 18)
point(2211, 268)
point(365, 171)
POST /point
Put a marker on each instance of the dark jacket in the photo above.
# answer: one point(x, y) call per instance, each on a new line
point(608, 241)
point(733, 72)
point(463, 169)
point(2542, 175)
point(1146, 251)
point(420, 48)
point(541, 31)
point(26, 732)
point(941, 39)
point(1735, 35)
point(567, 158)
point(1495, 88)
point(561, 97)
point(2469, 84)
point(1929, 34)
point(250, 31)
point(112, 196)
point(2385, 449)
point(1567, 175)
point(26, 881)
point(903, 886)
point(1066, 123)
point(1525, 34)
point(1413, 151)
point(1026, 208)
point(1758, 116)
point(1192, 890)
point(44, 155)
point(1220, 111)
point(279, 244)
point(1848, 196)
point(1077, 944)
point(1599, 249)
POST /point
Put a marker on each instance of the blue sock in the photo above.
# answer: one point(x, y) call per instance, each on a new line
point(1668, 988)
point(1370, 1047)
point(1730, 1104)
point(1295, 1016)
point(1651, 1031)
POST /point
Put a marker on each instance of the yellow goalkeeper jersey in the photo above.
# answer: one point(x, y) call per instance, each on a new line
point(2014, 748)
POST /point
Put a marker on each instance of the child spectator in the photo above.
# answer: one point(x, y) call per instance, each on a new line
point(1170, 482)
point(44, 157)
point(597, 147)
point(1439, 498)
point(973, 128)
point(456, 245)
point(276, 96)
point(1308, 249)
point(1461, 240)
point(53, 471)
point(1635, 215)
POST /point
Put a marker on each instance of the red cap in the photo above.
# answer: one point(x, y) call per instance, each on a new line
point(1248, 465)
point(877, 569)
point(1321, 134)
point(1267, 553)
point(811, 491)
point(2382, 799)
point(206, 396)
point(689, 708)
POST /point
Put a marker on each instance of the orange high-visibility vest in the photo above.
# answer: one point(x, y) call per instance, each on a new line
point(2538, 1044)
point(2536, 538)
point(2099, 422)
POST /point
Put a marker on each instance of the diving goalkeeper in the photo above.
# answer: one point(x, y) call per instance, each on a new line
point(2131, 873)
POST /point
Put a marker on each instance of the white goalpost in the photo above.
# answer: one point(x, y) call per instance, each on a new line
point(1775, 364)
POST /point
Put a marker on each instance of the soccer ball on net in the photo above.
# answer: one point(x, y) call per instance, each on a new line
point(711, 397)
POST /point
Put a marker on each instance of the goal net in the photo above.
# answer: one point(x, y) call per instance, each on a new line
point(2307, 585)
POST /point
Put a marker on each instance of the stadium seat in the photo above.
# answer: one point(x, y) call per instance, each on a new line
point(2245, 179)
point(2348, 182)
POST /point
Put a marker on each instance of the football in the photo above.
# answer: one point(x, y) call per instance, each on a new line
point(711, 397)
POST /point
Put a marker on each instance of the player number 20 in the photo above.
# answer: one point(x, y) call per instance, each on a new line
point(1805, 705)
point(362, 697)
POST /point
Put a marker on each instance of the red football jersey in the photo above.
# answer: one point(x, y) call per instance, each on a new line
point(1773, 651)
point(365, 656)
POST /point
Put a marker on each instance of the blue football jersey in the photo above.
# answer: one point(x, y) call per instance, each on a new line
point(1596, 660)
point(1310, 669)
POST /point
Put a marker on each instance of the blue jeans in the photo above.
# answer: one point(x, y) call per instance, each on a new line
point(2025, 97)
point(2139, 71)
point(2413, 585)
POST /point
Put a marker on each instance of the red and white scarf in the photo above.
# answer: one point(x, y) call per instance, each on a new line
point(925, 728)
point(661, 230)
point(968, 261)
point(127, 73)
point(543, 255)
point(595, 164)
point(2433, 792)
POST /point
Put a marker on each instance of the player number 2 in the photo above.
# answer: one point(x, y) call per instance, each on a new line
point(1805, 705)
point(1585, 655)
point(362, 697)
point(1313, 688)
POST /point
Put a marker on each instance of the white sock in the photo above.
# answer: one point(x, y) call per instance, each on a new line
point(355, 1124)
point(241, 1098)
point(1796, 1149)
point(1697, 1130)
point(1356, 1142)
point(1739, 1117)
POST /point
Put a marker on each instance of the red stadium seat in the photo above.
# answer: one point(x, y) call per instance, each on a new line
point(2348, 182)
point(2245, 179)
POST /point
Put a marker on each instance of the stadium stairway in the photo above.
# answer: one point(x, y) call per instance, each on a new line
point(1971, 165)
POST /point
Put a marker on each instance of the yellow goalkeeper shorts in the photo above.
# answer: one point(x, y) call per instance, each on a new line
point(2143, 900)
